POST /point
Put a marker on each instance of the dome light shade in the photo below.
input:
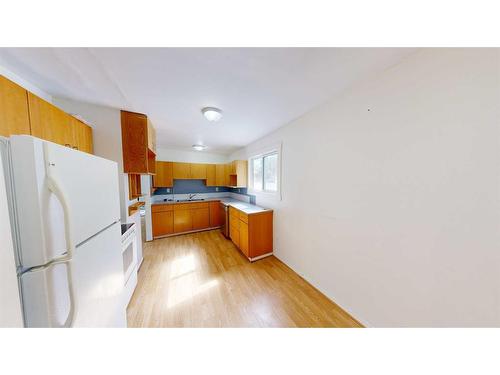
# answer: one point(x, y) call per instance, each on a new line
point(212, 114)
point(199, 147)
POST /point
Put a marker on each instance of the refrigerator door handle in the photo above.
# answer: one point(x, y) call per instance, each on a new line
point(58, 191)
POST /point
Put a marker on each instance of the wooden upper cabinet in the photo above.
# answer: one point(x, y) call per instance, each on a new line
point(82, 134)
point(181, 170)
point(14, 114)
point(134, 142)
point(227, 171)
point(22, 112)
point(164, 174)
point(186, 171)
point(238, 170)
point(49, 122)
point(211, 181)
point(151, 137)
point(219, 175)
point(198, 171)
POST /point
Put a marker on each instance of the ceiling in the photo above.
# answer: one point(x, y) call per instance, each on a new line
point(258, 89)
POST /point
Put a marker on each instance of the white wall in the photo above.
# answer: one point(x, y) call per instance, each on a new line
point(394, 212)
point(106, 125)
point(171, 154)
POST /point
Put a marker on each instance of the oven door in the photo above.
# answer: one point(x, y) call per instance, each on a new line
point(129, 255)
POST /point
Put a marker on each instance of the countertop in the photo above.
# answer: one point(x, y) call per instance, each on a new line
point(242, 206)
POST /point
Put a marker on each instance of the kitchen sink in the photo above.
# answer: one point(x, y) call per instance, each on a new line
point(190, 200)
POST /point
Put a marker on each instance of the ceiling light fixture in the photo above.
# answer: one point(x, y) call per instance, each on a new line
point(212, 114)
point(199, 147)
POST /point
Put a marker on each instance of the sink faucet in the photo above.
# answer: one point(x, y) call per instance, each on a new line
point(191, 196)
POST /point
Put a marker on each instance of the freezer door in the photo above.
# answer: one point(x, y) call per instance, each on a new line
point(96, 276)
point(90, 187)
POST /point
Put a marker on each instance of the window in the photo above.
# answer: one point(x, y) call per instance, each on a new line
point(264, 172)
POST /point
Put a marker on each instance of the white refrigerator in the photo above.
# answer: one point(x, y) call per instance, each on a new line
point(64, 214)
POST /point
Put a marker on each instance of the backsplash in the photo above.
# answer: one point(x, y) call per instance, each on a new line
point(198, 186)
point(190, 186)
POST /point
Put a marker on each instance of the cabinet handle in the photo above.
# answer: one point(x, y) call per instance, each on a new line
point(67, 145)
point(75, 147)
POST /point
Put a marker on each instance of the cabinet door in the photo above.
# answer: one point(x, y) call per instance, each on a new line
point(181, 170)
point(234, 233)
point(163, 223)
point(234, 226)
point(164, 174)
point(49, 122)
point(243, 240)
point(183, 221)
point(134, 128)
point(241, 173)
point(198, 171)
point(14, 114)
point(220, 179)
point(82, 134)
point(215, 214)
point(211, 175)
point(227, 172)
point(151, 137)
point(201, 218)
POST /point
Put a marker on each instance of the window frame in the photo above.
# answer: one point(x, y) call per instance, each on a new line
point(262, 154)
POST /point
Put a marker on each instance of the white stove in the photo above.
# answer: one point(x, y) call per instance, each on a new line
point(129, 255)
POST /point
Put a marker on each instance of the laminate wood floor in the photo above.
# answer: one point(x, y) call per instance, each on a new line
point(202, 280)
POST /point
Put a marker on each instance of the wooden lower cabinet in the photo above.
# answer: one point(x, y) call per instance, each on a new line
point(163, 223)
point(243, 240)
point(252, 233)
point(215, 214)
point(183, 221)
point(173, 218)
point(201, 218)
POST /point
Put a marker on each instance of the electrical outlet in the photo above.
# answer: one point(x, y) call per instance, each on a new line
point(216, 188)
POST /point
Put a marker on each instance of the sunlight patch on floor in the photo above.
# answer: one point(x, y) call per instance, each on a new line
point(187, 287)
point(182, 266)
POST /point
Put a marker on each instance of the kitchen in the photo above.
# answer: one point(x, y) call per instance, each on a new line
point(157, 198)
point(175, 175)
point(161, 200)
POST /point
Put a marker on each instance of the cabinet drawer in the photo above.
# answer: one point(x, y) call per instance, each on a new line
point(233, 212)
point(190, 206)
point(243, 217)
point(161, 207)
